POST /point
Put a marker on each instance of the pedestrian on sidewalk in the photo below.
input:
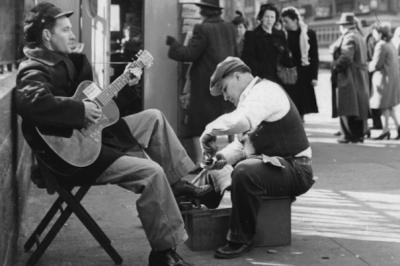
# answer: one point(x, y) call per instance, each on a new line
point(350, 83)
point(385, 78)
point(241, 24)
point(265, 45)
point(271, 154)
point(375, 114)
point(302, 43)
point(213, 40)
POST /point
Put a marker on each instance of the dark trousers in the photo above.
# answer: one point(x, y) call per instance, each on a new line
point(376, 118)
point(352, 127)
point(252, 180)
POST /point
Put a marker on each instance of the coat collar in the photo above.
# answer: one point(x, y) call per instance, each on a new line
point(50, 58)
point(44, 55)
point(213, 20)
point(259, 31)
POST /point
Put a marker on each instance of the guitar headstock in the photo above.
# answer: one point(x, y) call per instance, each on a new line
point(144, 59)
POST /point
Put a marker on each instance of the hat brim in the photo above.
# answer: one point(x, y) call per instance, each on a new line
point(64, 14)
point(344, 23)
point(208, 5)
point(215, 91)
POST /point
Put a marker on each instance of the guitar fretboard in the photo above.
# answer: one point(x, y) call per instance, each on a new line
point(106, 95)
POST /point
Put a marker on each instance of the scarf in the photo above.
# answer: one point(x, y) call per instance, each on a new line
point(304, 44)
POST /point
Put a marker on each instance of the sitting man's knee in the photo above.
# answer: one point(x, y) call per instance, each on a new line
point(155, 170)
point(240, 174)
point(154, 114)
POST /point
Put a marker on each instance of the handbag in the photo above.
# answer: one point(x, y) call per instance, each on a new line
point(287, 75)
point(287, 72)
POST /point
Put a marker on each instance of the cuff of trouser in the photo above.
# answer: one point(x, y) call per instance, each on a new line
point(221, 179)
point(175, 239)
point(238, 237)
point(181, 169)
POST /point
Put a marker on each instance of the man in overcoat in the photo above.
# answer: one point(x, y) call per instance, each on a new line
point(47, 79)
point(212, 41)
point(351, 84)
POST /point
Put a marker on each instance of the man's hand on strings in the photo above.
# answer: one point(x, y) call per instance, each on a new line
point(93, 112)
point(135, 75)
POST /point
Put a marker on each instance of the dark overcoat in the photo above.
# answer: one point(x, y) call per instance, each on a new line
point(261, 51)
point(302, 93)
point(350, 76)
point(213, 40)
point(45, 82)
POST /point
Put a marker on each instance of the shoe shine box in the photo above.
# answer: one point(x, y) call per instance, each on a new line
point(207, 228)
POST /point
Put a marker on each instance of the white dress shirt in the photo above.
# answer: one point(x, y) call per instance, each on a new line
point(262, 101)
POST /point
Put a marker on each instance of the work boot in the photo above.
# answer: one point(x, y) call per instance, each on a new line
point(211, 199)
point(232, 250)
point(185, 188)
point(166, 258)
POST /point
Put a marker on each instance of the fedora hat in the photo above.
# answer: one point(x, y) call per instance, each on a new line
point(347, 18)
point(209, 3)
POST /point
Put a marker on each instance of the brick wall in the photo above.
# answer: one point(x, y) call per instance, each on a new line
point(15, 160)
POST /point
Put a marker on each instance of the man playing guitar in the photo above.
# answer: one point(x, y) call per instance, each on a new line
point(47, 79)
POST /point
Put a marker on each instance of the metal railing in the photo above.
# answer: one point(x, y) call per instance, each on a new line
point(8, 66)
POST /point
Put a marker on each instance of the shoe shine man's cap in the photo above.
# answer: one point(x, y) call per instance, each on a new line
point(225, 68)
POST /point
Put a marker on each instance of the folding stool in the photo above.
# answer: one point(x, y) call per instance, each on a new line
point(73, 205)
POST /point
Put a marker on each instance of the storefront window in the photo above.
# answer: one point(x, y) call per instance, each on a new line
point(344, 6)
point(126, 20)
point(363, 6)
point(323, 11)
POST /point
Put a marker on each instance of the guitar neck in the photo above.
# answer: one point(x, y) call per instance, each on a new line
point(118, 84)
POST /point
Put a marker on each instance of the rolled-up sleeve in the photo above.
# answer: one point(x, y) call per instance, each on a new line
point(233, 152)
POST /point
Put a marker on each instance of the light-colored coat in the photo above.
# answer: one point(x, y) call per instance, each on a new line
point(351, 76)
point(386, 76)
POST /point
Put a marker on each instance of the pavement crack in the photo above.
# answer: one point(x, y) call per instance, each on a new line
point(350, 251)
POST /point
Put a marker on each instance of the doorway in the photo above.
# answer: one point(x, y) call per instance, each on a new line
point(126, 39)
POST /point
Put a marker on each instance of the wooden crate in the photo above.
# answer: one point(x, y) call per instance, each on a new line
point(207, 229)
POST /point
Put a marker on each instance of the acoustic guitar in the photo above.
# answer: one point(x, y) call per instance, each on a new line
point(83, 147)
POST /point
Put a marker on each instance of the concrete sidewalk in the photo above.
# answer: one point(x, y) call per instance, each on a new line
point(350, 217)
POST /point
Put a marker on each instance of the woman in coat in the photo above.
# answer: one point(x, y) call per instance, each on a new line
point(302, 43)
point(213, 40)
point(264, 44)
point(241, 24)
point(385, 80)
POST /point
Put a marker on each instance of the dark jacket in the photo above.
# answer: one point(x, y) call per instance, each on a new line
point(350, 76)
point(212, 41)
point(45, 81)
point(261, 51)
point(302, 93)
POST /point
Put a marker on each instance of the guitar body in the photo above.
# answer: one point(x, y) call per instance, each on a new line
point(83, 147)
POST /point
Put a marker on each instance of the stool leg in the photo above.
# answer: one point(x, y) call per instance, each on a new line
point(91, 225)
point(51, 234)
point(43, 224)
point(49, 237)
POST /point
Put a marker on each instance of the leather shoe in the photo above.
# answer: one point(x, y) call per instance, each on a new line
point(233, 250)
point(166, 258)
point(355, 140)
point(185, 188)
point(211, 199)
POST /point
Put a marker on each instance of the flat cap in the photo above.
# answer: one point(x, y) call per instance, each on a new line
point(39, 16)
point(225, 68)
